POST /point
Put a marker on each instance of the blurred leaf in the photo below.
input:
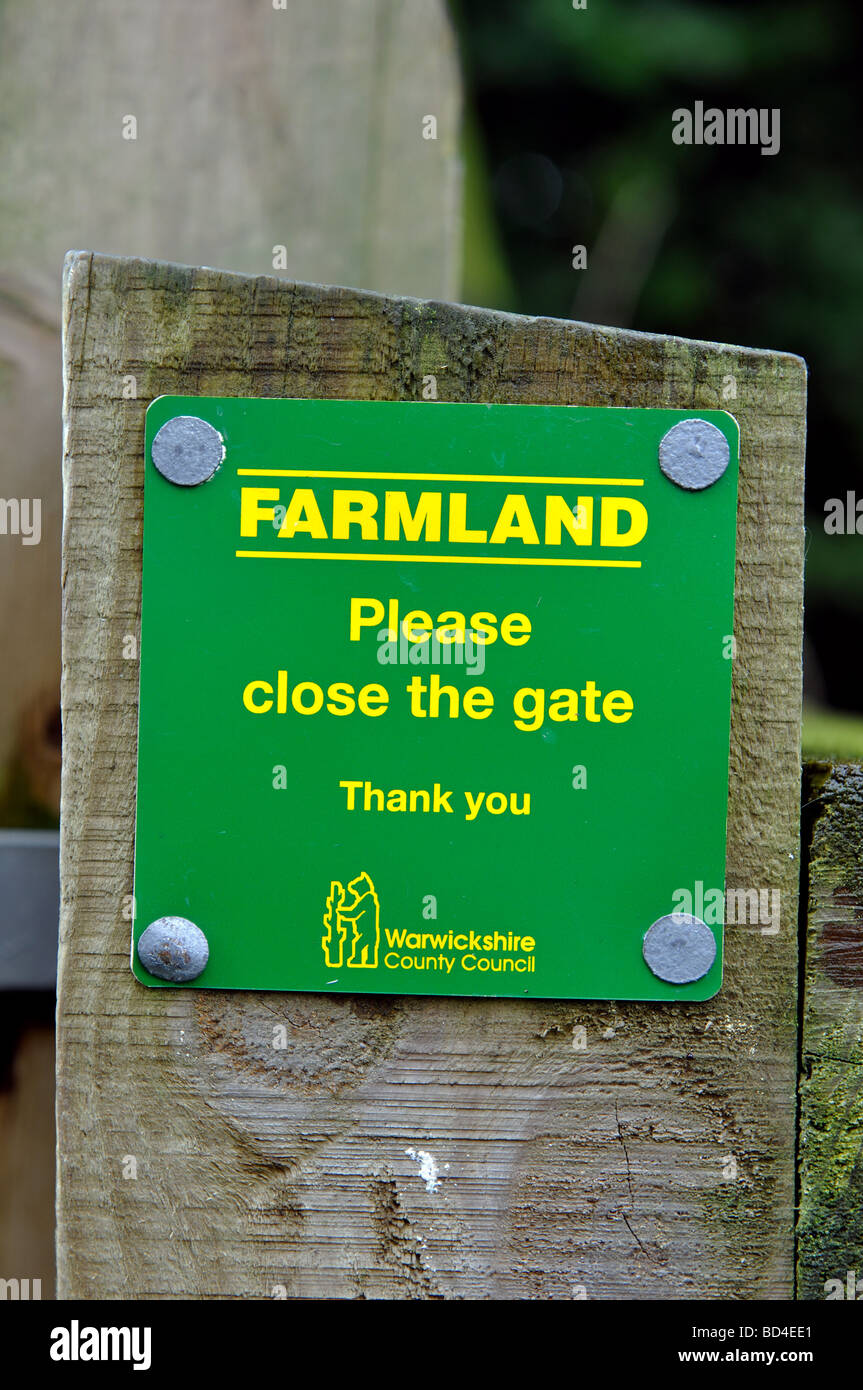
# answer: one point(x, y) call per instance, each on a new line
point(828, 734)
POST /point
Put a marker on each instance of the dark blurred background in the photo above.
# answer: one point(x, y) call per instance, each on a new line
point(568, 141)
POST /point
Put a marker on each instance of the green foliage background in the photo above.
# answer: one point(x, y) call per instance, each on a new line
point(568, 141)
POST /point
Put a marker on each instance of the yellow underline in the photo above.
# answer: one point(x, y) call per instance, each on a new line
point(432, 559)
point(434, 477)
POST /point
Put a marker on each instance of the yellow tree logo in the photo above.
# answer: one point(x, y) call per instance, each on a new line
point(355, 910)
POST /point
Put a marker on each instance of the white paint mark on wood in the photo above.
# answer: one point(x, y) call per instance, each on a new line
point(429, 1171)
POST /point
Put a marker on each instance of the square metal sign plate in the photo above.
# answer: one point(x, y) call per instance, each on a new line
point(434, 698)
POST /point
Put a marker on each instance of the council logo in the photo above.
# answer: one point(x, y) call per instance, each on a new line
point(352, 925)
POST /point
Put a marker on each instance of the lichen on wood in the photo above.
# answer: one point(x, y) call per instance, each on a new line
point(830, 1229)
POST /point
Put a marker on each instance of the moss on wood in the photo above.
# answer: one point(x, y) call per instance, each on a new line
point(830, 1225)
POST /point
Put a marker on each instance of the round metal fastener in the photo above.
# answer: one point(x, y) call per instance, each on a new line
point(187, 451)
point(679, 949)
point(174, 949)
point(694, 454)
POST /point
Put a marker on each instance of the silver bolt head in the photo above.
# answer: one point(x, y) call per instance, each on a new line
point(174, 949)
point(694, 454)
point(187, 451)
point(679, 949)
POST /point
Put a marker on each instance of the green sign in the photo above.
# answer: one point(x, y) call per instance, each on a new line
point(435, 698)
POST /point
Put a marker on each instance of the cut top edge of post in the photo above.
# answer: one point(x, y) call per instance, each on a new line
point(76, 260)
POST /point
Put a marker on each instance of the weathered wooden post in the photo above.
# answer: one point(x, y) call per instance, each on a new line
point(651, 1155)
point(830, 1244)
